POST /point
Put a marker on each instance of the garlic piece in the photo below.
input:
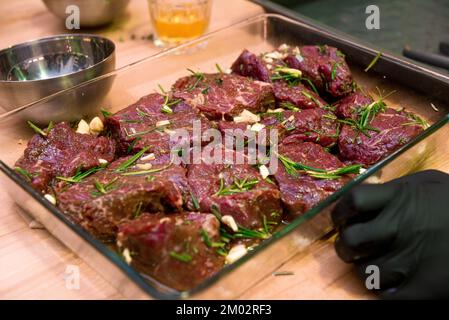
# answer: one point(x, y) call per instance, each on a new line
point(274, 55)
point(162, 123)
point(257, 127)
point(127, 256)
point(264, 172)
point(83, 127)
point(144, 166)
point(247, 116)
point(50, 199)
point(236, 253)
point(96, 125)
point(102, 161)
point(148, 157)
point(275, 110)
point(230, 222)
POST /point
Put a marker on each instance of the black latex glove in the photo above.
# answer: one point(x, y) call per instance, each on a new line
point(403, 228)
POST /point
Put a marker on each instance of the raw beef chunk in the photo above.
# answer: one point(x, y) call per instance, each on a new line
point(174, 249)
point(237, 190)
point(61, 153)
point(220, 95)
point(264, 68)
point(325, 66)
point(150, 121)
point(390, 130)
point(314, 125)
point(100, 201)
point(299, 190)
point(348, 107)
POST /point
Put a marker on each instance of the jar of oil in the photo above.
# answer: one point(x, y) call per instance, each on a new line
point(176, 21)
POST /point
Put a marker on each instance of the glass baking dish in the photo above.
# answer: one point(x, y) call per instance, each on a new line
point(416, 88)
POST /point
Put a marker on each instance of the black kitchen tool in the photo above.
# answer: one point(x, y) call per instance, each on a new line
point(433, 59)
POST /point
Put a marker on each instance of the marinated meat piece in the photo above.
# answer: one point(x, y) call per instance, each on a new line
point(100, 201)
point(172, 248)
point(315, 125)
point(149, 123)
point(62, 152)
point(249, 65)
point(325, 66)
point(300, 191)
point(264, 69)
point(347, 107)
point(220, 95)
point(237, 190)
point(392, 130)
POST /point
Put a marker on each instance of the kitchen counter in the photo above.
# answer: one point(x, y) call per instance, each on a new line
point(33, 264)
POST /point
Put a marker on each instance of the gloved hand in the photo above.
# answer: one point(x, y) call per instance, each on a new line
point(402, 227)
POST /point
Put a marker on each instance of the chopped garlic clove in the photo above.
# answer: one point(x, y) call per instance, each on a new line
point(96, 125)
point(50, 199)
point(83, 127)
point(283, 47)
point(274, 55)
point(148, 157)
point(257, 127)
point(144, 166)
point(162, 123)
point(264, 172)
point(102, 161)
point(127, 256)
point(247, 116)
point(236, 253)
point(230, 222)
point(275, 110)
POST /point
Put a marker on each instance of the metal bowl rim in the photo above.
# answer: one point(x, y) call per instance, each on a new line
point(109, 56)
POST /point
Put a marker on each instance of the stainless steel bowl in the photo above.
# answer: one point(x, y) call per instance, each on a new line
point(93, 13)
point(36, 69)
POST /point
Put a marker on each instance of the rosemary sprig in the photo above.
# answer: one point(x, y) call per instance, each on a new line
point(145, 172)
point(293, 167)
point(79, 176)
point(37, 129)
point(290, 75)
point(205, 236)
point(311, 97)
point(218, 68)
point(106, 113)
point(138, 210)
point(365, 115)
point(416, 121)
point(105, 188)
point(126, 164)
point(184, 257)
point(24, 173)
point(199, 77)
point(136, 134)
point(195, 202)
point(236, 187)
point(241, 232)
point(373, 62)
point(288, 105)
point(132, 144)
point(142, 113)
point(310, 83)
